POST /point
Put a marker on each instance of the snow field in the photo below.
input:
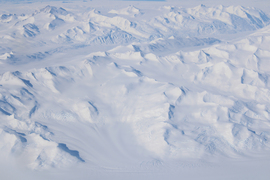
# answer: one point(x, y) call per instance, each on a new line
point(121, 89)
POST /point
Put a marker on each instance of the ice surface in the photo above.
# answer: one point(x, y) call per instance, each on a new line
point(134, 92)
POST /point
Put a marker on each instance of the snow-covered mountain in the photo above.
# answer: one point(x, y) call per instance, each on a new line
point(134, 87)
point(56, 28)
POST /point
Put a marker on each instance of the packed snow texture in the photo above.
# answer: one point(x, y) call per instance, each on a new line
point(133, 87)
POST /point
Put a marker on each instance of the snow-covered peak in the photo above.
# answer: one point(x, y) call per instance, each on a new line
point(5, 18)
point(130, 11)
point(54, 10)
point(202, 20)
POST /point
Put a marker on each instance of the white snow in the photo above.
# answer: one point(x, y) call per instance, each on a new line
point(134, 91)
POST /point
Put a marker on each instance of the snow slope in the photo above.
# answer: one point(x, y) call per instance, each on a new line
point(135, 89)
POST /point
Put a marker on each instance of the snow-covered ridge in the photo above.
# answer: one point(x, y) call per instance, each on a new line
point(106, 88)
point(130, 11)
point(211, 20)
point(61, 27)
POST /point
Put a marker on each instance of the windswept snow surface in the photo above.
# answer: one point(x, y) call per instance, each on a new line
point(134, 92)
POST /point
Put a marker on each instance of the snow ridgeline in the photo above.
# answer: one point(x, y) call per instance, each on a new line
point(54, 28)
point(99, 108)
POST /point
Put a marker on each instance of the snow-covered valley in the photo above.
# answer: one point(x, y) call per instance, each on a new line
point(134, 92)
